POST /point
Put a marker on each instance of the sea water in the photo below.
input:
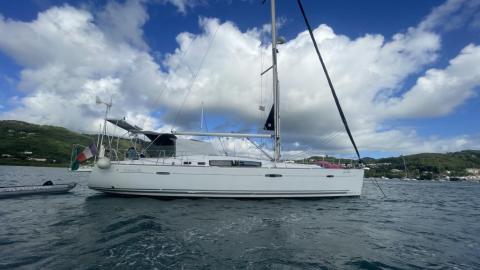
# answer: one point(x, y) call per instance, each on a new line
point(420, 225)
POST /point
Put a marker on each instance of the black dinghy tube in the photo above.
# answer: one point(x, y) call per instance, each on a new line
point(46, 189)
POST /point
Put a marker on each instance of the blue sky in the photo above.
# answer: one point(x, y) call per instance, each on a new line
point(409, 41)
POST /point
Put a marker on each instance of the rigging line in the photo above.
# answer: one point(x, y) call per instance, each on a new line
point(328, 139)
point(223, 146)
point(195, 76)
point(378, 185)
point(291, 156)
point(157, 98)
point(337, 102)
point(261, 87)
point(218, 138)
point(332, 134)
point(257, 147)
point(182, 60)
point(333, 138)
point(152, 142)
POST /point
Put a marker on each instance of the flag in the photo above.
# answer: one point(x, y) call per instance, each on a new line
point(74, 163)
point(87, 153)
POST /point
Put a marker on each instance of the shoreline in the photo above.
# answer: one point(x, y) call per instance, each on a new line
point(48, 165)
point(66, 166)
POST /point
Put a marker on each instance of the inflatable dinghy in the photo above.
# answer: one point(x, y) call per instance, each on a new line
point(47, 188)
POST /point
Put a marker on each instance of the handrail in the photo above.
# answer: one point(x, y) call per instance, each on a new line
point(160, 156)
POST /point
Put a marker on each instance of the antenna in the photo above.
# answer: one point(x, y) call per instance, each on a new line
point(99, 101)
point(107, 109)
point(201, 118)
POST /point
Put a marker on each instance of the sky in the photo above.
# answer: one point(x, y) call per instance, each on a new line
point(406, 72)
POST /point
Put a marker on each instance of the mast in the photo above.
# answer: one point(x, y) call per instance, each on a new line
point(276, 92)
point(405, 167)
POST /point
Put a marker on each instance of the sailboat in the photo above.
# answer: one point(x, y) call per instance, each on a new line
point(405, 170)
point(202, 172)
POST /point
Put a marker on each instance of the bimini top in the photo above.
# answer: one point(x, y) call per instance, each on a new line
point(163, 140)
point(125, 125)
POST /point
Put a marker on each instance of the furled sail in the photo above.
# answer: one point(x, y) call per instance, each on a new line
point(270, 123)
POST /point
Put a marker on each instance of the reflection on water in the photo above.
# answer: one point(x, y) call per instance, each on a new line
point(419, 225)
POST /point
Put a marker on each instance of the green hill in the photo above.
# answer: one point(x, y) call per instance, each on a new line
point(44, 142)
point(422, 166)
point(427, 165)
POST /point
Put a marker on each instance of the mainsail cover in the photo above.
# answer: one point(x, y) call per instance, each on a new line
point(270, 123)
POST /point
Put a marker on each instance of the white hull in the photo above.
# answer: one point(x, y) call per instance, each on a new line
point(85, 169)
point(210, 181)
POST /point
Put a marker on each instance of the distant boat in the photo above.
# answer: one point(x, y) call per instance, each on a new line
point(405, 170)
point(45, 189)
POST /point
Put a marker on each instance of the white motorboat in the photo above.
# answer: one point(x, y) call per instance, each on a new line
point(204, 173)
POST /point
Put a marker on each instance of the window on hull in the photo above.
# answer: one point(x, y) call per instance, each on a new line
point(234, 163)
point(246, 163)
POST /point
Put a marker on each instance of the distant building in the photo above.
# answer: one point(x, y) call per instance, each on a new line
point(38, 159)
point(6, 155)
point(376, 165)
point(473, 171)
point(27, 153)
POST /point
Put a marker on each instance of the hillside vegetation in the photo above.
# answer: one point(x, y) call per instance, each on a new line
point(421, 166)
point(52, 143)
point(427, 165)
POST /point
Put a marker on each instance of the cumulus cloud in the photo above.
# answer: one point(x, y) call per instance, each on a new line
point(124, 22)
point(440, 91)
point(451, 15)
point(70, 55)
point(184, 5)
point(69, 58)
